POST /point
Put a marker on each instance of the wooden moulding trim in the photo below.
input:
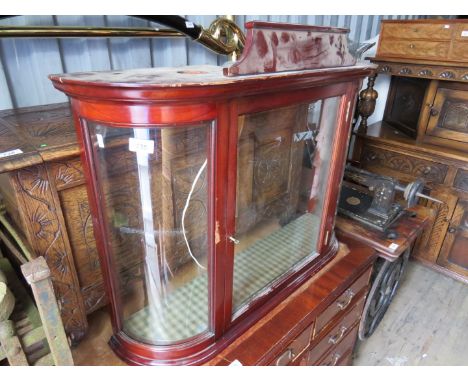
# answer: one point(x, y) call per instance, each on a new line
point(341, 139)
point(128, 115)
point(289, 27)
point(419, 68)
point(216, 92)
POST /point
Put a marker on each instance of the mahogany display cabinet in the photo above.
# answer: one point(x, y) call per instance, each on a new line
point(219, 190)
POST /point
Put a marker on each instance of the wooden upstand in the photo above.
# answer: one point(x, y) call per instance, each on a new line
point(393, 257)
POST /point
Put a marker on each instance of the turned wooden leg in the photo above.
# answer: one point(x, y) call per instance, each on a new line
point(366, 105)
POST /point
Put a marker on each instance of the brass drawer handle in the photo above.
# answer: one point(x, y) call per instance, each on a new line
point(344, 304)
point(336, 357)
point(338, 336)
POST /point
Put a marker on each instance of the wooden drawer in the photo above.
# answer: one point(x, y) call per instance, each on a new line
point(461, 32)
point(375, 157)
point(416, 31)
point(336, 334)
point(295, 348)
point(342, 302)
point(414, 49)
point(339, 355)
point(459, 51)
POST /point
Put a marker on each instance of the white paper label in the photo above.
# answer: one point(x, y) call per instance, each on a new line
point(100, 140)
point(393, 246)
point(189, 24)
point(10, 153)
point(236, 362)
point(303, 136)
point(145, 146)
point(464, 34)
point(447, 26)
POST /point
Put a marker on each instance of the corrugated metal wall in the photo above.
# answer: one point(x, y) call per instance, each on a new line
point(25, 63)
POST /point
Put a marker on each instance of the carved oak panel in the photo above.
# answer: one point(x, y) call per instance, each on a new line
point(450, 73)
point(453, 253)
point(448, 115)
point(404, 103)
point(45, 227)
point(416, 167)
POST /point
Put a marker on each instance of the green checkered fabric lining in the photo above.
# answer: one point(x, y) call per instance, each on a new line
point(184, 312)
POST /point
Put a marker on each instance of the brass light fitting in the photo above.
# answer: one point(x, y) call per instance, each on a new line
point(223, 36)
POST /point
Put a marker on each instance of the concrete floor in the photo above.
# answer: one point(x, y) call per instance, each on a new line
point(426, 324)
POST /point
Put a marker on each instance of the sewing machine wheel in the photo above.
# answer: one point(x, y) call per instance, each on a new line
point(411, 192)
point(385, 280)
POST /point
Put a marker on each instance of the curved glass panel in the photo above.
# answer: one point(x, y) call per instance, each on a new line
point(154, 189)
point(282, 171)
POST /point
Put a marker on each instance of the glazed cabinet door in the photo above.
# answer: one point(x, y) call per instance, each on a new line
point(283, 162)
point(154, 185)
point(454, 252)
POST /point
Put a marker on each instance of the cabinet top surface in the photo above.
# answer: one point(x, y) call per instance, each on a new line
point(202, 75)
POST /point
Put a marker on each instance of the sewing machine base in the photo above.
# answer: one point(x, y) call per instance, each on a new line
point(355, 203)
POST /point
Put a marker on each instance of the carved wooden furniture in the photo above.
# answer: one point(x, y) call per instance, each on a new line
point(393, 256)
point(43, 189)
point(219, 191)
point(425, 129)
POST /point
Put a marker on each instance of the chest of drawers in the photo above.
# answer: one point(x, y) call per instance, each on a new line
point(445, 40)
point(316, 325)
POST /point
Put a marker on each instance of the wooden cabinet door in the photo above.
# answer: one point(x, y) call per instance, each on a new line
point(448, 114)
point(429, 244)
point(454, 252)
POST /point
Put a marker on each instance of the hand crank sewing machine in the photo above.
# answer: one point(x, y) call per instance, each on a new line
point(386, 225)
point(374, 204)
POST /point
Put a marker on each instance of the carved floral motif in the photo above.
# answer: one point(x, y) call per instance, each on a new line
point(434, 172)
point(447, 74)
point(435, 72)
point(46, 236)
